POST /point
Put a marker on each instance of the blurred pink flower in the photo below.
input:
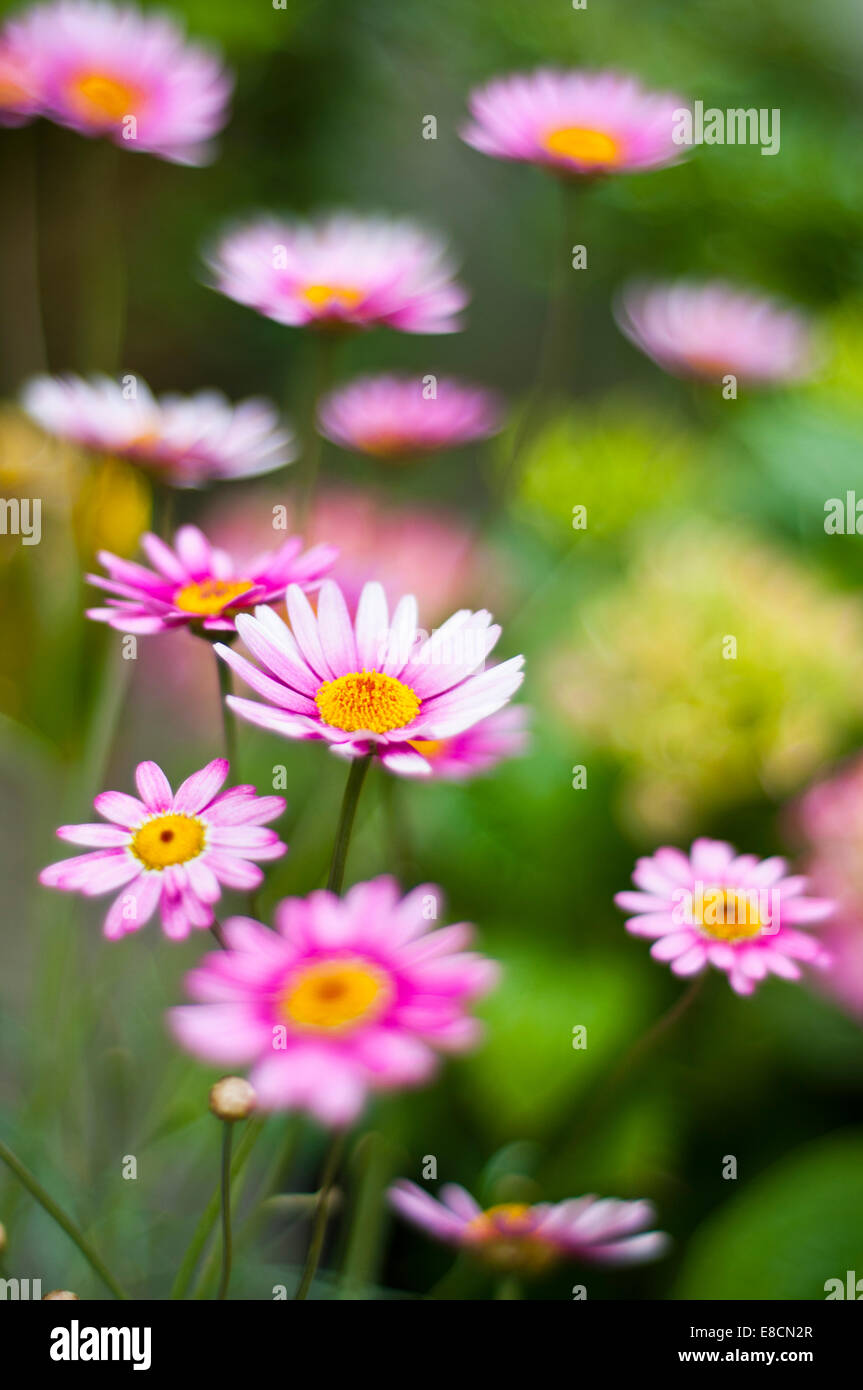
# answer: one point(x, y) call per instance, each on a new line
point(373, 683)
point(514, 1237)
point(18, 97)
point(479, 748)
point(732, 911)
point(712, 329)
point(391, 417)
point(830, 815)
point(171, 850)
point(574, 122)
point(341, 271)
point(347, 995)
point(424, 550)
point(116, 71)
point(197, 584)
point(182, 440)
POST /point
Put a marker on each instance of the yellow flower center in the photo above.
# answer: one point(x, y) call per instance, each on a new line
point(388, 445)
point(728, 914)
point(11, 92)
point(430, 748)
point(211, 596)
point(584, 145)
point(504, 1238)
point(167, 840)
point(368, 701)
point(104, 98)
point(334, 994)
point(324, 297)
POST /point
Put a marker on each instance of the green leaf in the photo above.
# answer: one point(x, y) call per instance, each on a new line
point(796, 1226)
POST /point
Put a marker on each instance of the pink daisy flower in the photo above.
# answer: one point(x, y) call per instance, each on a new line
point(732, 911)
point(348, 995)
point(574, 122)
point(174, 851)
point(342, 271)
point(374, 684)
point(712, 329)
point(830, 816)
point(392, 417)
point(18, 99)
point(479, 748)
point(114, 71)
point(195, 583)
point(514, 1237)
point(185, 441)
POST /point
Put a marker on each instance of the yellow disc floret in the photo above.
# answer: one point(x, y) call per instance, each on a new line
point(210, 596)
point(324, 297)
point(167, 840)
point(583, 145)
point(334, 995)
point(430, 748)
point(367, 701)
point(729, 914)
point(505, 1237)
point(102, 98)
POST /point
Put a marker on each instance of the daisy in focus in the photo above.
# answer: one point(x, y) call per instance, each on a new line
point(479, 748)
point(520, 1239)
point(394, 418)
point(174, 851)
point(341, 271)
point(347, 996)
point(195, 584)
point(371, 684)
point(185, 441)
point(733, 911)
point(577, 123)
point(133, 77)
point(708, 330)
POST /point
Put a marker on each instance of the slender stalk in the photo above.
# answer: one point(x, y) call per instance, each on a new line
point(35, 1188)
point(229, 727)
point(227, 1137)
point(356, 778)
point(325, 346)
point(208, 1276)
point(217, 933)
point(102, 305)
point(508, 1287)
point(372, 1164)
point(639, 1050)
point(211, 1211)
point(550, 344)
point(164, 500)
point(322, 1211)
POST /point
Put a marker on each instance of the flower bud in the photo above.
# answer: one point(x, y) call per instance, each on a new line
point(2, 1237)
point(232, 1098)
point(62, 1294)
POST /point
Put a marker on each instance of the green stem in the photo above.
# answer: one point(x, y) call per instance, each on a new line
point(322, 1211)
point(356, 777)
point(229, 727)
point(227, 1137)
point(550, 344)
point(35, 1188)
point(211, 1211)
point(324, 347)
point(372, 1165)
point(508, 1287)
point(636, 1053)
point(164, 500)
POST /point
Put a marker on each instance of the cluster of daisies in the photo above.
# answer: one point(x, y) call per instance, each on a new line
point(344, 996)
